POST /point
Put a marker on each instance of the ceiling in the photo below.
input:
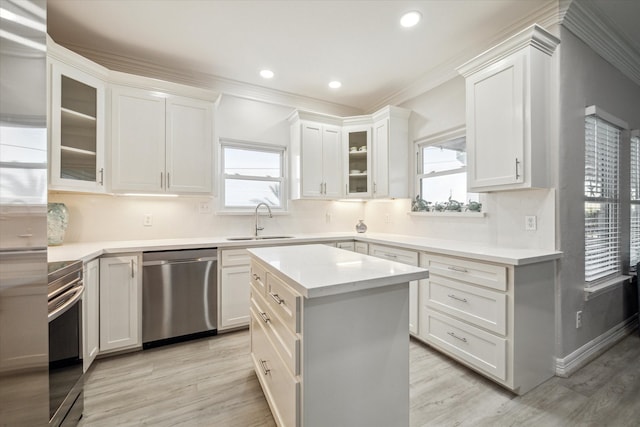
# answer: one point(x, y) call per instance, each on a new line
point(305, 43)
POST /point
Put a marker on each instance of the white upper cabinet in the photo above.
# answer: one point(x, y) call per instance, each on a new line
point(77, 115)
point(391, 153)
point(160, 143)
point(508, 113)
point(316, 159)
point(361, 156)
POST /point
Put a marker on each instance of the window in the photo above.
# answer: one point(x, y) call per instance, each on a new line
point(635, 200)
point(251, 174)
point(442, 169)
point(601, 198)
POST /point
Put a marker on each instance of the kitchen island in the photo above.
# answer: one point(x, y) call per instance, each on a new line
point(330, 335)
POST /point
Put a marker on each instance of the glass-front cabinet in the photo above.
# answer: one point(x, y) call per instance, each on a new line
point(358, 164)
point(77, 130)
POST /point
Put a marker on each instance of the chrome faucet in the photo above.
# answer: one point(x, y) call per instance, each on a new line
point(270, 216)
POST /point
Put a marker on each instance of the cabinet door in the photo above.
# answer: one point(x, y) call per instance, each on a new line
point(138, 141)
point(496, 124)
point(234, 296)
point(120, 303)
point(312, 160)
point(77, 130)
point(91, 313)
point(358, 167)
point(381, 158)
point(189, 145)
point(331, 162)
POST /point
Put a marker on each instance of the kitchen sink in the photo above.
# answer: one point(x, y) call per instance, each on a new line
point(258, 238)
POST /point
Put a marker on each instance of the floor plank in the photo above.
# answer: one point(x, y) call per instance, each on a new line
point(210, 382)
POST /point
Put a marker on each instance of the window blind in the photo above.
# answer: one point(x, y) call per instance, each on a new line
point(602, 204)
point(635, 201)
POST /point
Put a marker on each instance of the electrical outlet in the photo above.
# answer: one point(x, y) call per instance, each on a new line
point(578, 319)
point(530, 223)
point(204, 207)
point(147, 220)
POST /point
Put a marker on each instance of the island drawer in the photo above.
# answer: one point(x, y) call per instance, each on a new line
point(259, 277)
point(286, 342)
point(285, 302)
point(478, 348)
point(232, 257)
point(281, 389)
point(478, 273)
point(394, 254)
point(479, 306)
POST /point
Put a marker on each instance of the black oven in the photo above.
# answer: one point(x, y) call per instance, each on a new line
point(66, 401)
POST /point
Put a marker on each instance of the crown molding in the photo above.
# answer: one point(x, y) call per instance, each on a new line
point(135, 66)
point(583, 20)
point(548, 15)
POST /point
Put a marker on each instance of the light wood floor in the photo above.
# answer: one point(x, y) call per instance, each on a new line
point(210, 382)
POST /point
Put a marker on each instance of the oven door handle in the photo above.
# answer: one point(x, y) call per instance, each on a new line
point(73, 295)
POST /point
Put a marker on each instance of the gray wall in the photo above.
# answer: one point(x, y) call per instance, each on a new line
point(586, 79)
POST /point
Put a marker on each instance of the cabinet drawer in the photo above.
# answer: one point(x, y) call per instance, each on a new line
point(349, 246)
point(481, 349)
point(281, 389)
point(362, 248)
point(232, 257)
point(394, 254)
point(284, 301)
point(479, 306)
point(259, 277)
point(287, 343)
point(489, 275)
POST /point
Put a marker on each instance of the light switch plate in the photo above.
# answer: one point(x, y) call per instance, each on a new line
point(204, 207)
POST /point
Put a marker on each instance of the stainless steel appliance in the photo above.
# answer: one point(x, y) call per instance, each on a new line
point(179, 295)
point(66, 398)
point(23, 214)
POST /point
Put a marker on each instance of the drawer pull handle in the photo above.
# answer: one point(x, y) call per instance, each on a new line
point(264, 316)
point(458, 269)
point(264, 367)
point(256, 277)
point(276, 298)
point(457, 337)
point(391, 256)
point(457, 298)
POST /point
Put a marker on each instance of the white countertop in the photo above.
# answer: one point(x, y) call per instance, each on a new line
point(320, 270)
point(490, 253)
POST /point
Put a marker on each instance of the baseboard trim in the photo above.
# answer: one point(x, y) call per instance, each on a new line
point(566, 366)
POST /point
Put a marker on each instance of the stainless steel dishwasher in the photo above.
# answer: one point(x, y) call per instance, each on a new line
point(179, 295)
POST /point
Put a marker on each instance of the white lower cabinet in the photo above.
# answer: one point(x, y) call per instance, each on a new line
point(347, 246)
point(91, 313)
point(120, 303)
point(317, 365)
point(406, 257)
point(496, 319)
point(233, 289)
point(362, 248)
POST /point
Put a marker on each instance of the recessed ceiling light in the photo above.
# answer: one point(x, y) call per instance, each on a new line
point(335, 84)
point(266, 74)
point(410, 19)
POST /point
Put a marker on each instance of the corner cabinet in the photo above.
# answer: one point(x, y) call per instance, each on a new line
point(160, 143)
point(77, 114)
point(508, 113)
point(120, 303)
point(316, 161)
point(496, 319)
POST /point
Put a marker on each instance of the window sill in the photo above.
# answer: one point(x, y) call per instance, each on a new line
point(449, 214)
point(604, 287)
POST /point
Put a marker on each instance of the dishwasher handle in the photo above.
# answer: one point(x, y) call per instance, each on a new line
point(179, 261)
